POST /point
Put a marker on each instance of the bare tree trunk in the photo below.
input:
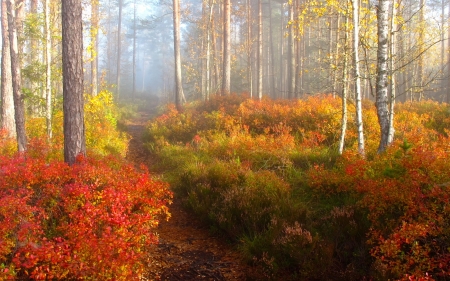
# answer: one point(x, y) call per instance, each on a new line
point(133, 94)
point(48, 62)
point(249, 48)
point(382, 74)
point(19, 108)
point(119, 47)
point(282, 73)
point(176, 36)
point(336, 56)
point(72, 42)
point(421, 43)
point(94, 47)
point(226, 78)
point(359, 113)
point(272, 54)
point(392, 85)
point(7, 101)
point(260, 51)
point(208, 52)
point(344, 89)
point(291, 59)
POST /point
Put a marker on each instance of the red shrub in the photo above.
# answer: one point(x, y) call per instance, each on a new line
point(93, 219)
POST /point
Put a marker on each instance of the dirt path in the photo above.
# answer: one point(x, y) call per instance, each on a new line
point(186, 249)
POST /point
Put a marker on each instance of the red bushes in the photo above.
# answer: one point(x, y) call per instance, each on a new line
point(93, 220)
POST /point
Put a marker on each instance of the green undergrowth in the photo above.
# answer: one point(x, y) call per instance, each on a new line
point(268, 175)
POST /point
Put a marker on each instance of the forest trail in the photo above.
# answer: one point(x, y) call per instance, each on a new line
point(186, 250)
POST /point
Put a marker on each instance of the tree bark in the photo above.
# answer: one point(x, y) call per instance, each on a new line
point(176, 38)
point(7, 100)
point(382, 74)
point(344, 89)
point(72, 56)
point(393, 27)
point(359, 113)
point(291, 58)
point(133, 94)
point(226, 78)
point(119, 48)
point(260, 52)
point(19, 108)
point(48, 66)
point(249, 48)
point(94, 46)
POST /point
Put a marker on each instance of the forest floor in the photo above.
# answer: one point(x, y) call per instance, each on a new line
point(187, 249)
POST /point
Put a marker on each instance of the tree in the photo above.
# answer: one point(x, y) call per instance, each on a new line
point(48, 81)
point(94, 46)
point(260, 51)
point(7, 101)
point(176, 46)
point(344, 87)
point(72, 56)
point(119, 49)
point(359, 113)
point(291, 57)
point(226, 78)
point(382, 71)
point(19, 108)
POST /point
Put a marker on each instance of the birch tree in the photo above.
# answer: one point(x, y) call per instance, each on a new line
point(382, 73)
point(19, 108)
point(359, 113)
point(226, 77)
point(176, 44)
point(48, 67)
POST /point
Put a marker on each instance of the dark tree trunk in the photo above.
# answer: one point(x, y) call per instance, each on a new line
point(72, 56)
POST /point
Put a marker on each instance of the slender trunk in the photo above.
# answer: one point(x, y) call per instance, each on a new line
point(208, 52)
point(272, 54)
point(392, 74)
point(421, 42)
point(48, 80)
point(226, 78)
point(382, 74)
point(291, 59)
point(336, 56)
point(119, 48)
point(249, 48)
point(176, 36)
point(359, 113)
point(216, 58)
point(282, 74)
point(260, 51)
point(19, 108)
point(7, 100)
point(344, 89)
point(133, 94)
point(94, 47)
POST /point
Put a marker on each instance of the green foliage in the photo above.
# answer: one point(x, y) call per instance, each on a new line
point(267, 173)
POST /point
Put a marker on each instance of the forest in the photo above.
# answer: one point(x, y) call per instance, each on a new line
point(297, 140)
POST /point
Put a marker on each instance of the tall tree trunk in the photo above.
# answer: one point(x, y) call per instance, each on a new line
point(48, 66)
point(344, 88)
point(249, 48)
point(291, 58)
point(94, 47)
point(226, 78)
point(392, 85)
point(133, 94)
point(272, 54)
point(208, 52)
point(260, 51)
point(382, 74)
point(359, 113)
point(19, 108)
point(336, 56)
point(421, 43)
point(176, 37)
point(72, 56)
point(282, 73)
point(7, 100)
point(119, 48)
